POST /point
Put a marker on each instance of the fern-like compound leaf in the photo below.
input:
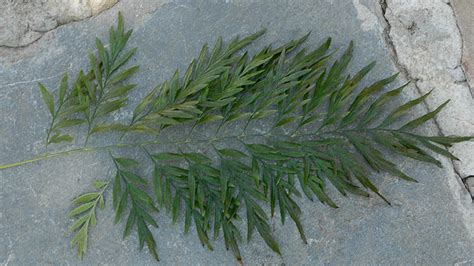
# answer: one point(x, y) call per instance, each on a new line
point(127, 191)
point(289, 122)
point(85, 211)
point(62, 111)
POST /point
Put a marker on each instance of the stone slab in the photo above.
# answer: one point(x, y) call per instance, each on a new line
point(425, 225)
point(429, 48)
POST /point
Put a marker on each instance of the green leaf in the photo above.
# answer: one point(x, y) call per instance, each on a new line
point(80, 239)
point(187, 219)
point(126, 162)
point(96, 69)
point(197, 157)
point(85, 198)
point(294, 212)
point(120, 24)
point(375, 107)
point(230, 239)
point(176, 207)
point(402, 110)
point(57, 138)
point(167, 156)
point(449, 140)
point(63, 88)
point(47, 98)
point(421, 120)
point(209, 118)
point(132, 217)
point(132, 177)
point(145, 235)
point(117, 191)
point(82, 208)
point(285, 121)
point(79, 223)
point(263, 114)
point(72, 110)
point(239, 116)
point(110, 106)
point(437, 149)
point(68, 123)
point(87, 209)
point(121, 206)
point(192, 188)
point(119, 91)
point(100, 184)
point(264, 231)
point(140, 196)
point(104, 57)
point(101, 201)
point(123, 75)
point(158, 186)
point(363, 96)
point(232, 153)
point(121, 61)
point(145, 101)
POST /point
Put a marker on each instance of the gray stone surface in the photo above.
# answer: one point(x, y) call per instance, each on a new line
point(425, 225)
point(465, 16)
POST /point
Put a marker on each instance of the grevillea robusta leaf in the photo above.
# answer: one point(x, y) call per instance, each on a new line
point(288, 122)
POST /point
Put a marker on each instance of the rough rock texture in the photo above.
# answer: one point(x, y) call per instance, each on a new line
point(429, 47)
point(428, 222)
point(470, 183)
point(465, 16)
point(23, 22)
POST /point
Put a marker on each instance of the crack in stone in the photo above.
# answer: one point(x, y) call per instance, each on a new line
point(59, 24)
point(32, 42)
point(462, 50)
point(465, 181)
point(403, 69)
point(44, 33)
point(29, 81)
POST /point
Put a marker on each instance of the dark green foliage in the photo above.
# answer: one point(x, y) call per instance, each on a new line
point(62, 111)
point(127, 189)
point(86, 211)
point(189, 98)
point(104, 88)
point(324, 130)
point(96, 94)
